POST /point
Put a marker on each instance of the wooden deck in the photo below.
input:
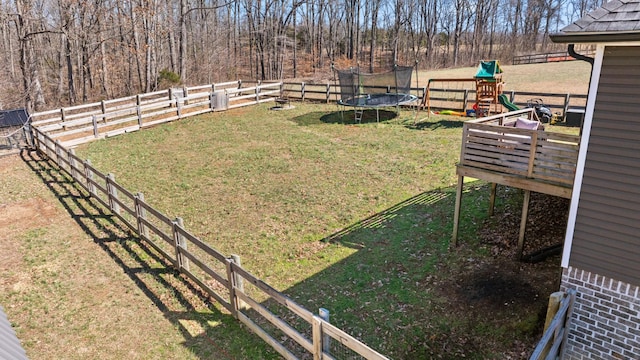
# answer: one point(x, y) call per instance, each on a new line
point(532, 160)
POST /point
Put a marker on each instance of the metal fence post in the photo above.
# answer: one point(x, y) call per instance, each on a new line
point(326, 339)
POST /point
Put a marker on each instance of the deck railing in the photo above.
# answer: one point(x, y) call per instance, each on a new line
point(549, 158)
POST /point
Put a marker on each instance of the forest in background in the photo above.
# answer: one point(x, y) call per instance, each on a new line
point(65, 52)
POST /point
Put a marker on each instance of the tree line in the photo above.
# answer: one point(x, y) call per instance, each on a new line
point(64, 52)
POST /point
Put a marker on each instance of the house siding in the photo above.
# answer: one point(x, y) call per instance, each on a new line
point(10, 347)
point(605, 321)
point(605, 239)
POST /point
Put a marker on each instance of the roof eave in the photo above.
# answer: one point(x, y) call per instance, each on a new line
point(595, 37)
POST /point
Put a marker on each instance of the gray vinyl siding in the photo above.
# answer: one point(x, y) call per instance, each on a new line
point(606, 238)
point(10, 347)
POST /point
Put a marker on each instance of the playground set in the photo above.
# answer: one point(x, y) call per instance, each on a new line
point(445, 94)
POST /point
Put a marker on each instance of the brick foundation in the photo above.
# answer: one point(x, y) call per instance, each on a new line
point(605, 323)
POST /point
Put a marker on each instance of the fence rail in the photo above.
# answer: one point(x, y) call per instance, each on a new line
point(276, 318)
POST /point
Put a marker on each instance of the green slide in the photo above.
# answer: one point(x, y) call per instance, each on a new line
point(506, 103)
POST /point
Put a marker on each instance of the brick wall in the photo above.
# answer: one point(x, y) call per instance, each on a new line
point(605, 323)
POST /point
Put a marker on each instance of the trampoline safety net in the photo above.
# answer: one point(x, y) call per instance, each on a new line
point(371, 90)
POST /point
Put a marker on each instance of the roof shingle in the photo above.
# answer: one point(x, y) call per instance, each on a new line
point(617, 20)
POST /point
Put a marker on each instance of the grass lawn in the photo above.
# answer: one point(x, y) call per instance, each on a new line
point(353, 218)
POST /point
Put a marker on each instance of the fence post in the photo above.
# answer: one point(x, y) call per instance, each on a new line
point(95, 125)
point(302, 85)
point(180, 243)
point(57, 149)
point(63, 118)
point(258, 92)
point(316, 337)
point(139, 110)
point(232, 290)
point(141, 213)
point(89, 177)
point(185, 92)
point(112, 193)
point(567, 99)
point(326, 339)
point(103, 107)
point(213, 90)
point(238, 281)
point(72, 163)
point(179, 106)
point(328, 91)
point(465, 100)
point(552, 309)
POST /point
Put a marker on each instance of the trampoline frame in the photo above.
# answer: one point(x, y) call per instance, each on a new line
point(360, 99)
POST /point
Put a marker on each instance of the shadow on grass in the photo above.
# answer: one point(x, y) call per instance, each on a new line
point(152, 273)
point(438, 124)
point(385, 292)
point(405, 294)
point(343, 117)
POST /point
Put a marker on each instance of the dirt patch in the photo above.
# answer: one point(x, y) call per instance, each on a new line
point(27, 214)
point(511, 295)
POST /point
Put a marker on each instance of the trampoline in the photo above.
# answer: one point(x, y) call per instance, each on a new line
point(374, 91)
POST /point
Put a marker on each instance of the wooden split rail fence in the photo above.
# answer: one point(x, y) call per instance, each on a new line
point(546, 57)
point(83, 123)
point(274, 317)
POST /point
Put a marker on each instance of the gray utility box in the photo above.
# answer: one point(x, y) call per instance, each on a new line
point(220, 101)
point(574, 117)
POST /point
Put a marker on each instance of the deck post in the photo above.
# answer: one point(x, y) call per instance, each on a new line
point(523, 222)
point(456, 213)
point(492, 198)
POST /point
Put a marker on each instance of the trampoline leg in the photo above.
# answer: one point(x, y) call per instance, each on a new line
point(377, 115)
